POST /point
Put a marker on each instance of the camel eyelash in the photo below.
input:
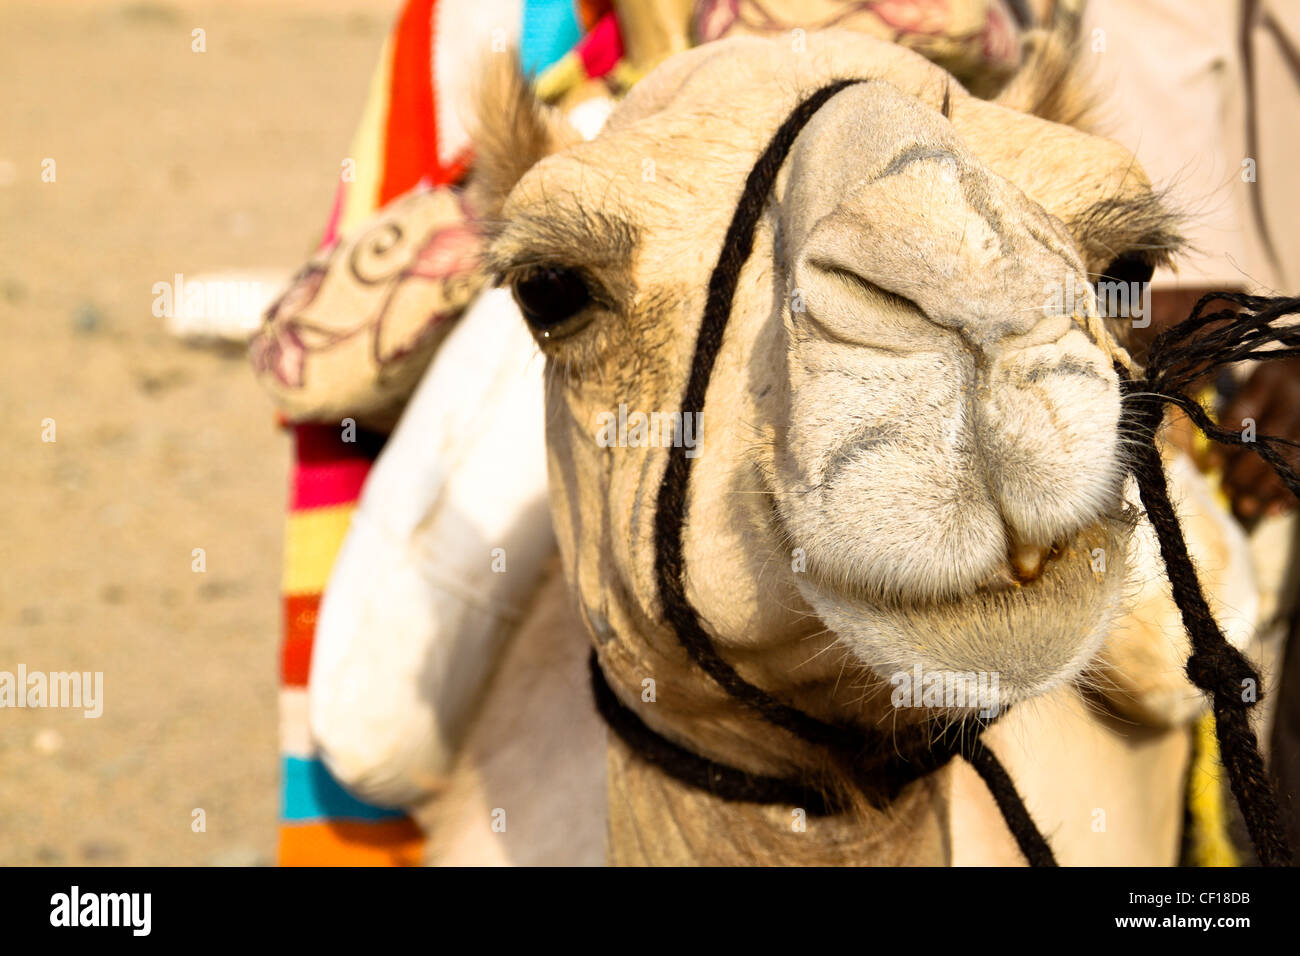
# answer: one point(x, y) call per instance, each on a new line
point(557, 237)
point(1142, 226)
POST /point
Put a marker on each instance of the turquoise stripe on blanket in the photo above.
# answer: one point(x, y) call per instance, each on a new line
point(550, 29)
point(310, 793)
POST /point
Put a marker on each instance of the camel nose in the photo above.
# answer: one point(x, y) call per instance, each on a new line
point(974, 256)
point(916, 215)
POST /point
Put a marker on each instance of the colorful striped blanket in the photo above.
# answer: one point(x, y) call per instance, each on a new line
point(322, 825)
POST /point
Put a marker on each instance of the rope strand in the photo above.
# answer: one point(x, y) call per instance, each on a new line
point(849, 744)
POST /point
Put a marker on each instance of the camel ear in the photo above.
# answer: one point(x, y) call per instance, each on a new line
point(511, 131)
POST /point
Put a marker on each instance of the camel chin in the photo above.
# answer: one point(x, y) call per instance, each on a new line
point(1001, 643)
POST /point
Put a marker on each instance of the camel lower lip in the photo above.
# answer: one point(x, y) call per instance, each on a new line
point(1032, 635)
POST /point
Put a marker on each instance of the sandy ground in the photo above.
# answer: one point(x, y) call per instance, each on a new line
point(166, 161)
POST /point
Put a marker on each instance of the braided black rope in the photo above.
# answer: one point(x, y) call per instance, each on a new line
point(1178, 357)
point(700, 772)
point(1031, 842)
point(672, 503)
point(880, 780)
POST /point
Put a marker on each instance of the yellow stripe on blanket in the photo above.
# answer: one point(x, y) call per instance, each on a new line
point(1211, 844)
point(312, 541)
point(362, 197)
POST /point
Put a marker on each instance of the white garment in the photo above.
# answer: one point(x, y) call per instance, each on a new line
point(1203, 92)
point(445, 547)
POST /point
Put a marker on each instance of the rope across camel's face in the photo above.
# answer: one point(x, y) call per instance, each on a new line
point(909, 448)
point(942, 396)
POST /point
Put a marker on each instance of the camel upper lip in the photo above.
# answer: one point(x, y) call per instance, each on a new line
point(1001, 582)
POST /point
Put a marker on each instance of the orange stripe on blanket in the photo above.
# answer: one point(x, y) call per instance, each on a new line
point(590, 11)
point(379, 843)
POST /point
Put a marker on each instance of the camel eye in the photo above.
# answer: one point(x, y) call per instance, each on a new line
point(549, 296)
point(1130, 267)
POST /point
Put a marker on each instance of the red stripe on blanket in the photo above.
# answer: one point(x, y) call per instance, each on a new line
point(601, 49)
point(332, 469)
point(300, 613)
point(411, 138)
point(321, 486)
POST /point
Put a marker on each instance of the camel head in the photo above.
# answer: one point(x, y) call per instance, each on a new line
point(910, 451)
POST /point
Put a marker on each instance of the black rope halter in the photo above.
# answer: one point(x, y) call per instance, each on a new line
point(912, 753)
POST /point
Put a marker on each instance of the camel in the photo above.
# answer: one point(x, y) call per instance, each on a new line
point(909, 461)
